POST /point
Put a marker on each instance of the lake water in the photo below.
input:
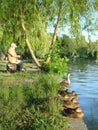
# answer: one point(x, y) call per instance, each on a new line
point(84, 80)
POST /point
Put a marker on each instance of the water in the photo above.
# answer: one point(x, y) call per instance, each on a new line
point(84, 80)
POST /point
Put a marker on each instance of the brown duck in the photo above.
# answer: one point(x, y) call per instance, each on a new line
point(73, 113)
point(66, 83)
point(70, 96)
point(71, 104)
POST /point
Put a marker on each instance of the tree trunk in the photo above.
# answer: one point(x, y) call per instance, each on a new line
point(55, 34)
point(29, 46)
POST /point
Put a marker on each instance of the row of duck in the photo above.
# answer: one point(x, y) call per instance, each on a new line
point(71, 106)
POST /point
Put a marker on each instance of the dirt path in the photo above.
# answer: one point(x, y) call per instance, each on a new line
point(77, 124)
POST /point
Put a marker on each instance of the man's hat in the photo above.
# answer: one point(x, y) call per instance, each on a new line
point(13, 44)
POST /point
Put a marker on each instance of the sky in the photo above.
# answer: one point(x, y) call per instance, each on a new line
point(85, 33)
point(93, 35)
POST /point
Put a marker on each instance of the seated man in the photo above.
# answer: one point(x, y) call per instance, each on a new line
point(13, 58)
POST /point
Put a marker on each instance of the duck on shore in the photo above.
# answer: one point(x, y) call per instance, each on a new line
point(63, 92)
point(73, 113)
point(64, 95)
point(71, 104)
point(70, 96)
point(66, 83)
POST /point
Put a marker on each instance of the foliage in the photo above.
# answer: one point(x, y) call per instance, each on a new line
point(72, 48)
point(58, 64)
point(66, 46)
point(40, 14)
point(39, 39)
point(35, 21)
point(29, 101)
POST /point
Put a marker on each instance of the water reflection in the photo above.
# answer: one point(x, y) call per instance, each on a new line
point(84, 80)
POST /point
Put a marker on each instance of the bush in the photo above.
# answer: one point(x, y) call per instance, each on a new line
point(57, 65)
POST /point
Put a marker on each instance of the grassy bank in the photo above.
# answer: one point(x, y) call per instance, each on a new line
point(28, 101)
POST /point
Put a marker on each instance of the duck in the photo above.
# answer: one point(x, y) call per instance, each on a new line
point(66, 82)
point(71, 104)
point(63, 92)
point(74, 100)
point(67, 96)
point(73, 113)
point(70, 96)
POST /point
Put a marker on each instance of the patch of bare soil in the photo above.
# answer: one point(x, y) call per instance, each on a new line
point(77, 124)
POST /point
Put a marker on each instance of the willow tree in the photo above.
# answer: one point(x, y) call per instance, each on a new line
point(23, 19)
point(72, 13)
point(17, 14)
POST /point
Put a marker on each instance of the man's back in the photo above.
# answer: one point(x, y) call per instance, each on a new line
point(12, 55)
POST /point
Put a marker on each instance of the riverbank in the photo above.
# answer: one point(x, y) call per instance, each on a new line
point(77, 124)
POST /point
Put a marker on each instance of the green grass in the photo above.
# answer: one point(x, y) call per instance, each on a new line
point(28, 101)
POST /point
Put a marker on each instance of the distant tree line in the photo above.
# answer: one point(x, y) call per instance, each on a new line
point(72, 48)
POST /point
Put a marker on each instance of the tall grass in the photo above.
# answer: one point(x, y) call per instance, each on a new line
point(30, 102)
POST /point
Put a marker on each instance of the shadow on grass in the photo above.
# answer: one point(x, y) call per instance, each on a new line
point(3, 71)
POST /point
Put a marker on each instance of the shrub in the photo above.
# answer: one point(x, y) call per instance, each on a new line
point(57, 65)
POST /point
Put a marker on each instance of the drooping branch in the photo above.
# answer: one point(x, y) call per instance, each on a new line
point(55, 33)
